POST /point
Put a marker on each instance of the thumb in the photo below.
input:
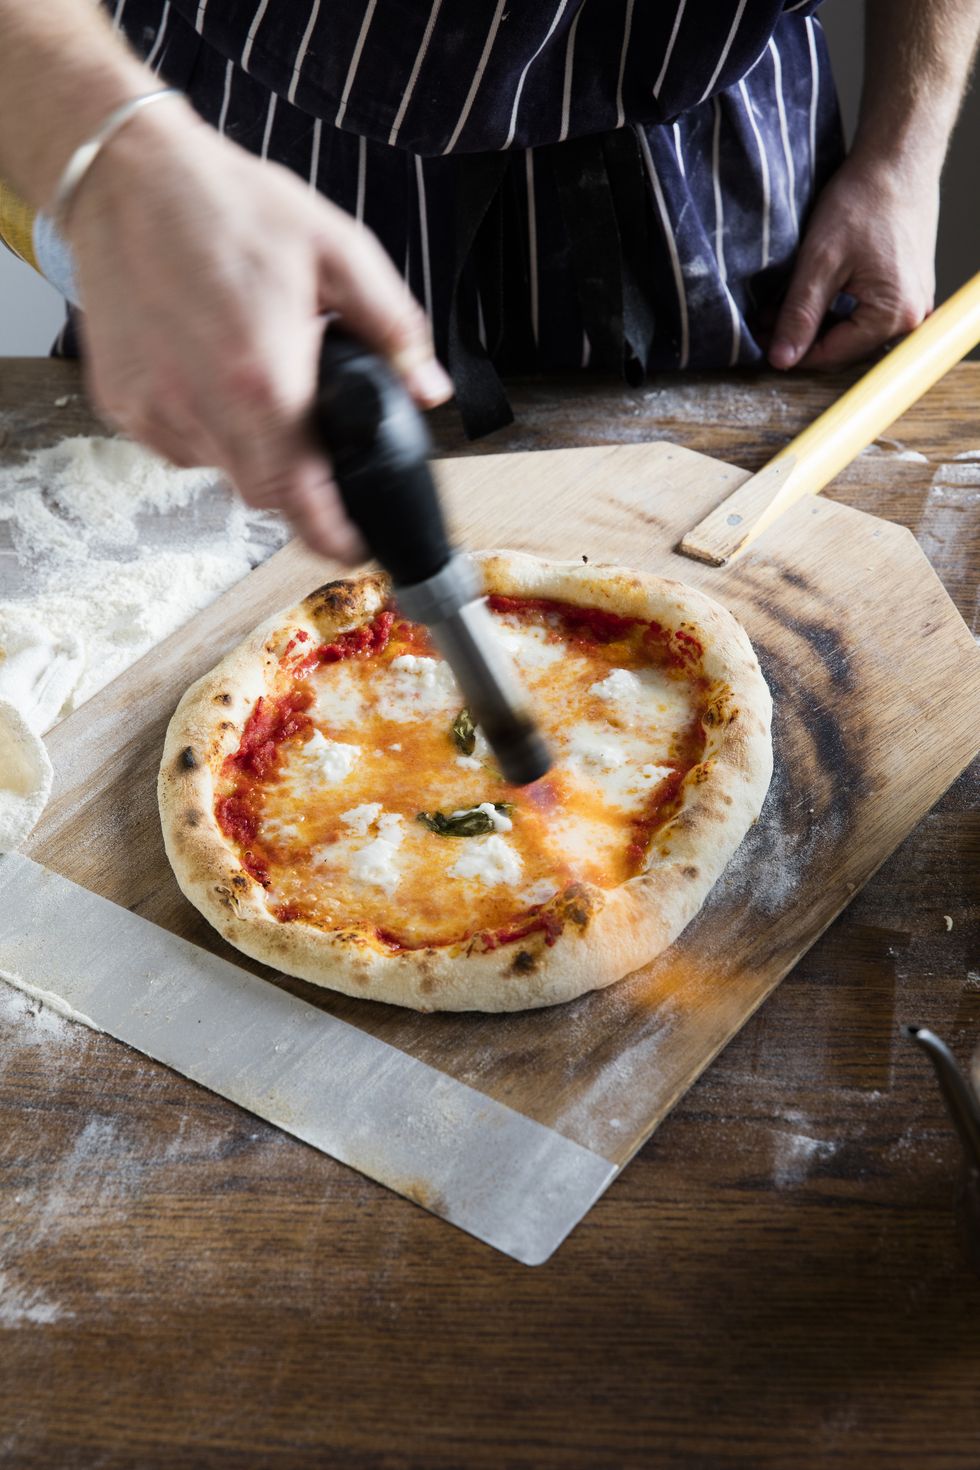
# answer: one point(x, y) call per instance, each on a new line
point(814, 284)
point(851, 340)
point(358, 281)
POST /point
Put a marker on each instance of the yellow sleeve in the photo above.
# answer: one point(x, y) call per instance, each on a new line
point(17, 225)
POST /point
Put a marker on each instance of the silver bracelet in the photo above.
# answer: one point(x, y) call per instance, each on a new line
point(86, 153)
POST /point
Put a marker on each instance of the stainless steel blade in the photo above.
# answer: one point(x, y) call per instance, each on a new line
point(500, 1176)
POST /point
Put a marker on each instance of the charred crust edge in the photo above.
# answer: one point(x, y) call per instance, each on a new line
point(342, 598)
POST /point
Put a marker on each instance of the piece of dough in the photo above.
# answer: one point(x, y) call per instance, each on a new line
point(25, 777)
point(39, 668)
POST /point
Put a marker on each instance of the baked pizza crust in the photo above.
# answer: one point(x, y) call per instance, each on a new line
point(607, 933)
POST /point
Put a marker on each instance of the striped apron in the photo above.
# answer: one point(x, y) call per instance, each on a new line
point(564, 183)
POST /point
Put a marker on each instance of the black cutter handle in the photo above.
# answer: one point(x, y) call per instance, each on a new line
point(379, 447)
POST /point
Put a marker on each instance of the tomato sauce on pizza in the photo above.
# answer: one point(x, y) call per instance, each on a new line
point(361, 797)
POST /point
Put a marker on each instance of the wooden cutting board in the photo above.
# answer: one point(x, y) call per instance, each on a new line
point(876, 684)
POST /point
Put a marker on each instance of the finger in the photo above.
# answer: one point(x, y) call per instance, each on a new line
point(170, 444)
point(256, 418)
point(316, 511)
point(154, 433)
point(169, 428)
point(358, 281)
point(815, 282)
point(305, 493)
point(274, 464)
point(857, 338)
point(182, 442)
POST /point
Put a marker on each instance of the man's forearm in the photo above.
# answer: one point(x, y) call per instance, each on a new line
point(62, 71)
point(918, 58)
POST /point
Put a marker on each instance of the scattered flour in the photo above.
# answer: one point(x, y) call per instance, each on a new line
point(26, 1024)
point(25, 1304)
point(49, 1000)
point(795, 1153)
point(958, 474)
point(88, 1201)
point(895, 449)
point(34, 1023)
point(103, 542)
point(621, 1081)
point(701, 402)
point(766, 870)
point(952, 500)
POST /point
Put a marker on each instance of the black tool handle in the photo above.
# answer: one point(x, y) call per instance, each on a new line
point(379, 446)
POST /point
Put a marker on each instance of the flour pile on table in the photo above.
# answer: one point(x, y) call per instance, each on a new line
point(105, 550)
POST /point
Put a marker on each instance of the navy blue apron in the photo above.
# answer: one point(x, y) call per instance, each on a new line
point(564, 183)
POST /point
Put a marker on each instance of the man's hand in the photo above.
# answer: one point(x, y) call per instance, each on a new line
point(873, 236)
point(204, 275)
point(872, 233)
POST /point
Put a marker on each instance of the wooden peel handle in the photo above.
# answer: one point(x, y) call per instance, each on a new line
point(813, 458)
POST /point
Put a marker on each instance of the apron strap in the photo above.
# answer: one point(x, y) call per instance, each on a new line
point(480, 394)
point(605, 210)
point(628, 186)
point(589, 216)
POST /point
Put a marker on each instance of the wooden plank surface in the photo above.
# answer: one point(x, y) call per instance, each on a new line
point(857, 765)
point(773, 1281)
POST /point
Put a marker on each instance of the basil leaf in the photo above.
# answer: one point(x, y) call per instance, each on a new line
point(464, 732)
point(467, 824)
point(435, 821)
point(463, 824)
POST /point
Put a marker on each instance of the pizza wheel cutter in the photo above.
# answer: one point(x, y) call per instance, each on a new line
point(379, 448)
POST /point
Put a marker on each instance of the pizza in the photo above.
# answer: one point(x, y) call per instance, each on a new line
point(331, 808)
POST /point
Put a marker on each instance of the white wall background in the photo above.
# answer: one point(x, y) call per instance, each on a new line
point(958, 254)
point(31, 313)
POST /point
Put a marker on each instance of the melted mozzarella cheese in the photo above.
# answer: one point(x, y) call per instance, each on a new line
point(629, 787)
point(584, 843)
point(498, 820)
point(390, 828)
point(619, 686)
point(529, 644)
point(374, 862)
point(360, 819)
point(414, 688)
point(595, 749)
point(612, 762)
point(488, 860)
point(339, 701)
point(377, 862)
point(320, 762)
point(279, 831)
point(647, 699)
point(538, 892)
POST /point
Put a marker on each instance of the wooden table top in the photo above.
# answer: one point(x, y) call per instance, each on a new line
point(775, 1279)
